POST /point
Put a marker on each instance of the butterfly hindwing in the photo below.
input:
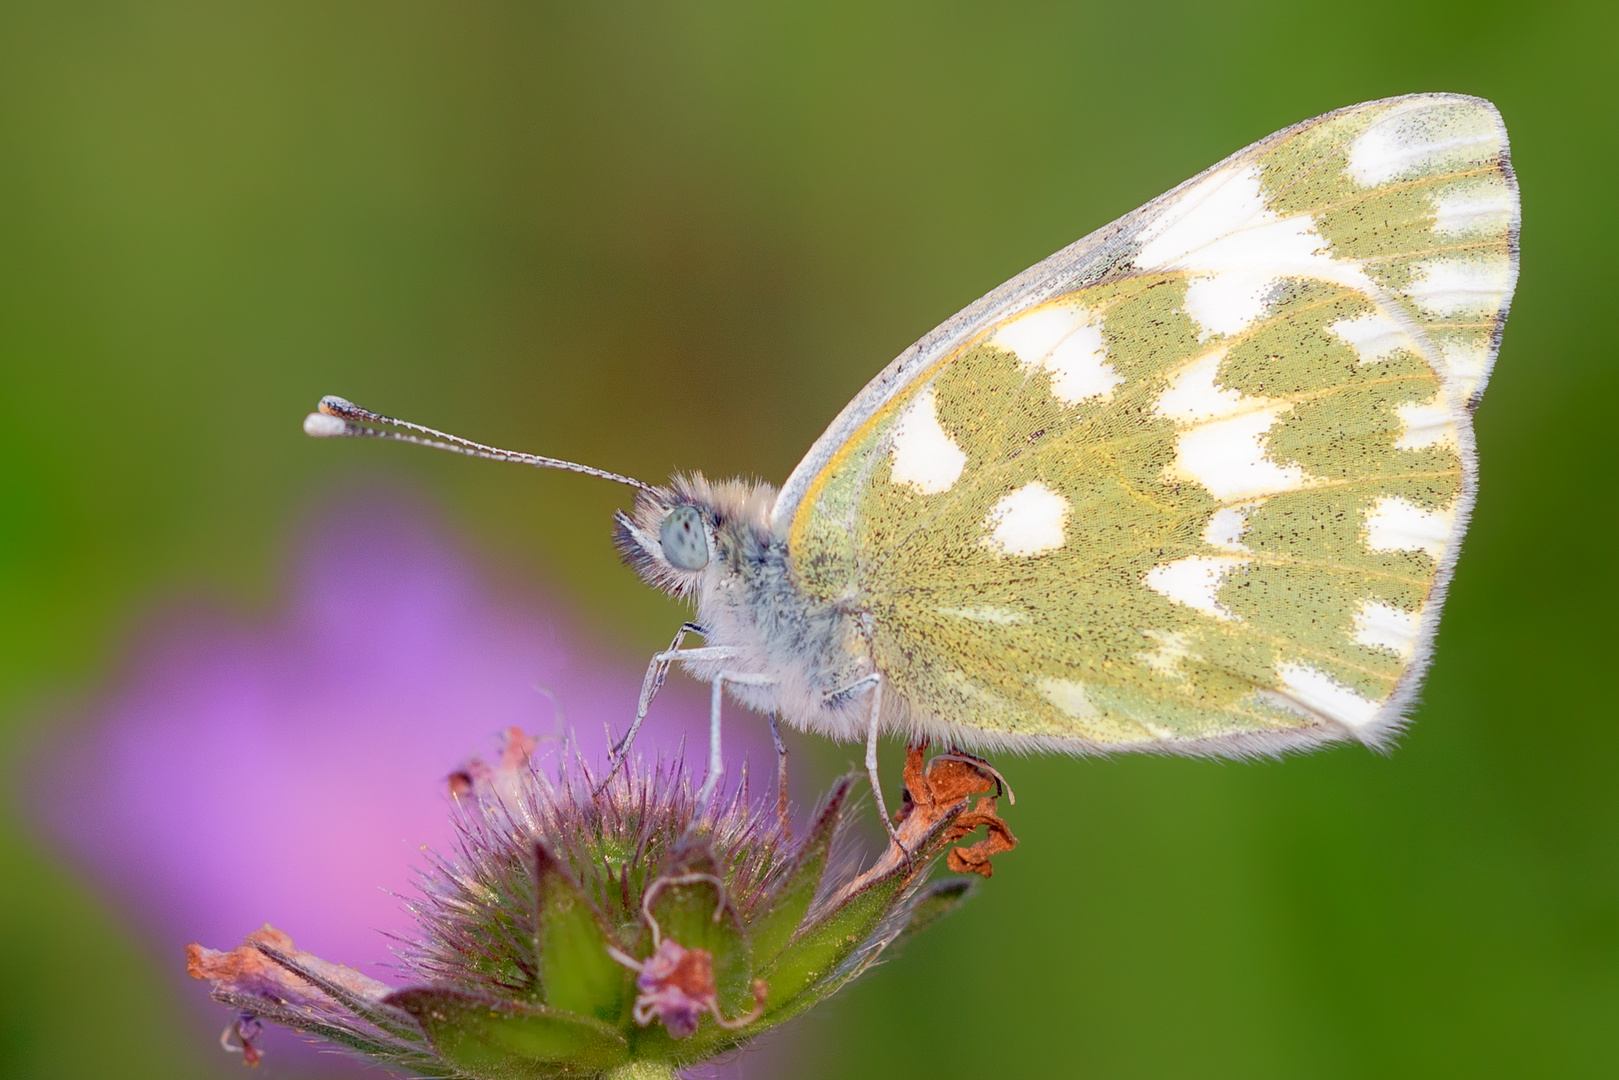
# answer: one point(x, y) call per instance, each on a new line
point(1196, 483)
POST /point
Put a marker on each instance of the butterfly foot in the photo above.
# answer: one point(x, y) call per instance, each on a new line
point(782, 817)
point(896, 842)
point(615, 762)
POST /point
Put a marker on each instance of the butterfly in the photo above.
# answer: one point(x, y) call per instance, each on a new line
point(1194, 484)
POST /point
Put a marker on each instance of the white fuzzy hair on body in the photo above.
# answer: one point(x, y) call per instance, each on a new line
point(795, 651)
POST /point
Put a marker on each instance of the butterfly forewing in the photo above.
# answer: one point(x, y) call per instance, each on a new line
point(1207, 500)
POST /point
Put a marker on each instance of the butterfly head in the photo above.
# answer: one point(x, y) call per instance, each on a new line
point(676, 535)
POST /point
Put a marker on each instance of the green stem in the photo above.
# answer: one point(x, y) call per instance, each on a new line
point(643, 1070)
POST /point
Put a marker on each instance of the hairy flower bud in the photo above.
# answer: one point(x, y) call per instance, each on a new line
point(625, 933)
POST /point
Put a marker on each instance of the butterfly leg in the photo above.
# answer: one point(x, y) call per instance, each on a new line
point(781, 777)
point(716, 759)
point(657, 673)
point(875, 682)
point(871, 760)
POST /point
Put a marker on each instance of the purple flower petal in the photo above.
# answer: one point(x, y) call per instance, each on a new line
point(291, 769)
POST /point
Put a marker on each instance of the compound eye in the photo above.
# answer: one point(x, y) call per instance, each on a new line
point(685, 544)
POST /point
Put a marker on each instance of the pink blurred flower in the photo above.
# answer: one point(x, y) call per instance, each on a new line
point(293, 768)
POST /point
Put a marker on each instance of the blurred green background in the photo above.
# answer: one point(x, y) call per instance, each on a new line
point(652, 237)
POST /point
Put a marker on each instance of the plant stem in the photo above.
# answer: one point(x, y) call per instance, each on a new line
point(643, 1070)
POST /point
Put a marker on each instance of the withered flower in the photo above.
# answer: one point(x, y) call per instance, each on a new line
point(625, 934)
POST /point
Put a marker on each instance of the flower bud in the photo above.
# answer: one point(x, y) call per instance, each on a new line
point(627, 932)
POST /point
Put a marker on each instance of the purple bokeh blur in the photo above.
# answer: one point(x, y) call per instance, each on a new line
point(290, 770)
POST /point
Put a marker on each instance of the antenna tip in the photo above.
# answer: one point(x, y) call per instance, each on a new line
point(324, 426)
point(332, 405)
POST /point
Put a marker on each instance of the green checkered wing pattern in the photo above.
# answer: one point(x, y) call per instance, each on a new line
point(1197, 483)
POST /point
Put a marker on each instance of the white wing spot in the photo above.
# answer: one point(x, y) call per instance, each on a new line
point(1222, 441)
point(1029, 521)
point(1226, 526)
point(1077, 369)
point(1374, 336)
point(959, 682)
point(1034, 335)
point(1318, 694)
point(925, 456)
point(1384, 626)
point(1194, 394)
point(1067, 342)
point(1446, 287)
point(1195, 581)
point(1468, 364)
point(1174, 647)
point(1423, 137)
point(1228, 458)
point(1229, 303)
point(1069, 697)
point(1393, 524)
point(1486, 207)
point(1427, 423)
point(1223, 225)
point(991, 616)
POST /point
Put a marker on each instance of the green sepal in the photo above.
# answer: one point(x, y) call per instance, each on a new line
point(817, 949)
point(810, 967)
point(643, 1070)
point(699, 915)
point(494, 1039)
point(300, 1020)
point(938, 899)
point(784, 907)
point(576, 972)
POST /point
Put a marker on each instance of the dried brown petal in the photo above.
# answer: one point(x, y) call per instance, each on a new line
point(998, 838)
point(517, 746)
point(247, 970)
point(932, 789)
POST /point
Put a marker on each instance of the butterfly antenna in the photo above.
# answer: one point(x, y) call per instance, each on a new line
point(339, 418)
